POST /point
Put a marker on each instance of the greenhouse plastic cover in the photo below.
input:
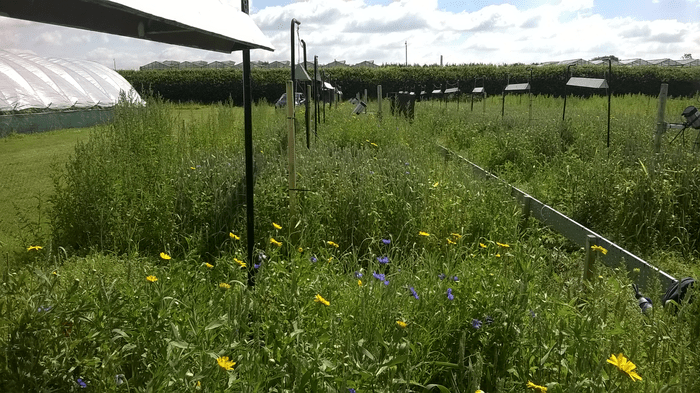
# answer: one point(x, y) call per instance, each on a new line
point(32, 82)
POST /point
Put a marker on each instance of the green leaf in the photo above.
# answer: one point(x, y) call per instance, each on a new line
point(215, 324)
point(440, 387)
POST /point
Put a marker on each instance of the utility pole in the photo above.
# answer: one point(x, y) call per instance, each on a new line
point(406, 43)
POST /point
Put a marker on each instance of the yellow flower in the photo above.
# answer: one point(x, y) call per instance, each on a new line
point(436, 184)
point(330, 243)
point(479, 391)
point(224, 285)
point(234, 236)
point(599, 248)
point(225, 363)
point(239, 262)
point(456, 235)
point(30, 248)
point(624, 365)
point(426, 234)
point(275, 242)
point(301, 250)
point(277, 226)
point(402, 324)
point(152, 278)
point(482, 245)
point(537, 388)
point(320, 299)
point(374, 144)
point(209, 265)
point(164, 256)
point(192, 167)
point(359, 283)
point(330, 259)
point(498, 255)
point(503, 245)
point(449, 241)
point(55, 273)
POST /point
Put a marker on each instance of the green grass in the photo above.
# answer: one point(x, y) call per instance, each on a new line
point(82, 308)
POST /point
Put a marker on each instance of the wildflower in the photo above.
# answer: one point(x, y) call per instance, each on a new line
point(455, 278)
point(421, 233)
point(479, 391)
point(152, 278)
point(320, 299)
point(537, 388)
point(225, 363)
point(330, 243)
point(449, 241)
point(379, 276)
point(256, 265)
point(413, 292)
point(301, 250)
point(374, 144)
point(239, 262)
point(436, 184)
point(498, 255)
point(165, 256)
point(386, 282)
point(450, 296)
point(313, 259)
point(476, 324)
point(383, 260)
point(277, 226)
point(55, 273)
point(330, 259)
point(192, 168)
point(30, 248)
point(351, 390)
point(224, 285)
point(262, 257)
point(442, 276)
point(624, 365)
point(82, 383)
point(402, 324)
point(275, 242)
point(358, 275)
point(456, 235)
point(502, 245)
point(209, 265)
point(234, 236)
point(599, 248)
point(44, 309)
point(359, 283)
point(386, 241)
point(119, 379)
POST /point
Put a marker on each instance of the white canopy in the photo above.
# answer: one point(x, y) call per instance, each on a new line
point(32, 82)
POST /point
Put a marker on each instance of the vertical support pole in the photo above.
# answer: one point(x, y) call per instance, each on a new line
point(529, 95)
point(366, 101)
point(660, 117)
point(248, 142)
point(317, 95)
point(609, 98)
point(308, 109)
point(380, 98)
point(291, 151)
point(484, 100)
point(589, 262)
point(525, 214)
point(503, 104)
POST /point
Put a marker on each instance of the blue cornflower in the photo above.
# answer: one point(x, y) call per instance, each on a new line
point(386, 282)
point(413, 291)
point(379, 276)
point(450, 296)
point(476, 323)
point(455, 278)
point(257, 265)
point(358, 275)
point(386, 241)
point(82, 383)
point(351, 390)
point(383, 260)
point(442, 276)
point(313, 259)
point(44, 309)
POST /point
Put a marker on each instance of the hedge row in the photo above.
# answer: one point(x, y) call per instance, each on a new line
point(218, 85)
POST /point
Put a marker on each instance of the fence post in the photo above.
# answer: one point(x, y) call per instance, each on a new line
point(379, 101)
point(660, 117)
point(589, 262)
point(290, 148)
point(525, 215)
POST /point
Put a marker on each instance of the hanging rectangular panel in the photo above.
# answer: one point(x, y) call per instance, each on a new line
point(591, 83)
point(518, 87)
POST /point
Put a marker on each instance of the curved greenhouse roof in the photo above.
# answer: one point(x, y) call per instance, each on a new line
point(32, 82)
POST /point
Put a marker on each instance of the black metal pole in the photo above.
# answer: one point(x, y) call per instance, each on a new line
point(294, 81)
point(248, 120)
point(609, 94)
point(317, 116)
point(306, 104)
point(566, 80)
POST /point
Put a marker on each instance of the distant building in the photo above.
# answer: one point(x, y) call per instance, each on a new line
point(172, 64)
point(154, 65)
point(221, 64)
point(663, 62)
point(279, 64)
point(336, 63)
point(634, 62)
point(366, 63)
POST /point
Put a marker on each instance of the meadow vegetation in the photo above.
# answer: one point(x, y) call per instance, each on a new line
point(399, 271)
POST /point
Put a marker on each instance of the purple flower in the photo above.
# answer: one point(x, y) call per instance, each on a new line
point(313, 259)
point(413, 291)
point(476, 323)
point(358, 275)
point(379, 276)
point(351, 390)
point(386, 282)
point(82, 383)
point(383, 260)
point(44, 309)
point(450, 296)
point(455, 278)
point(442, 276)
point(386, 241)
point(256, 265)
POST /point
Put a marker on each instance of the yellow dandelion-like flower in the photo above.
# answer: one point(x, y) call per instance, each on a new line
point(449, 241)
point(537, 388)
point(359, 283)
point(482, 245)
point(421, 233)
point(624, 365)
point(165, 256)
point(374, 144)
point(209, 265)
point(239, 262)
point(334, 244)
point(599, 248)
point(330, 259)
point(498, 255)
point(301, 250)
point(224, 285)
point(225, 363)
point(320, 299)
point(275, 242)
point(436, 184)
point(152, 278)
point(55, 273)
point(402, 324)
point(277, 226)
point(37, 248)
point(456, 235)
point(193, 168)
point(503, 245)
point(234, 236)
point(479, 391)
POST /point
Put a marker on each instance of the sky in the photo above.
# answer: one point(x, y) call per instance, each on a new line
point(417, 31)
